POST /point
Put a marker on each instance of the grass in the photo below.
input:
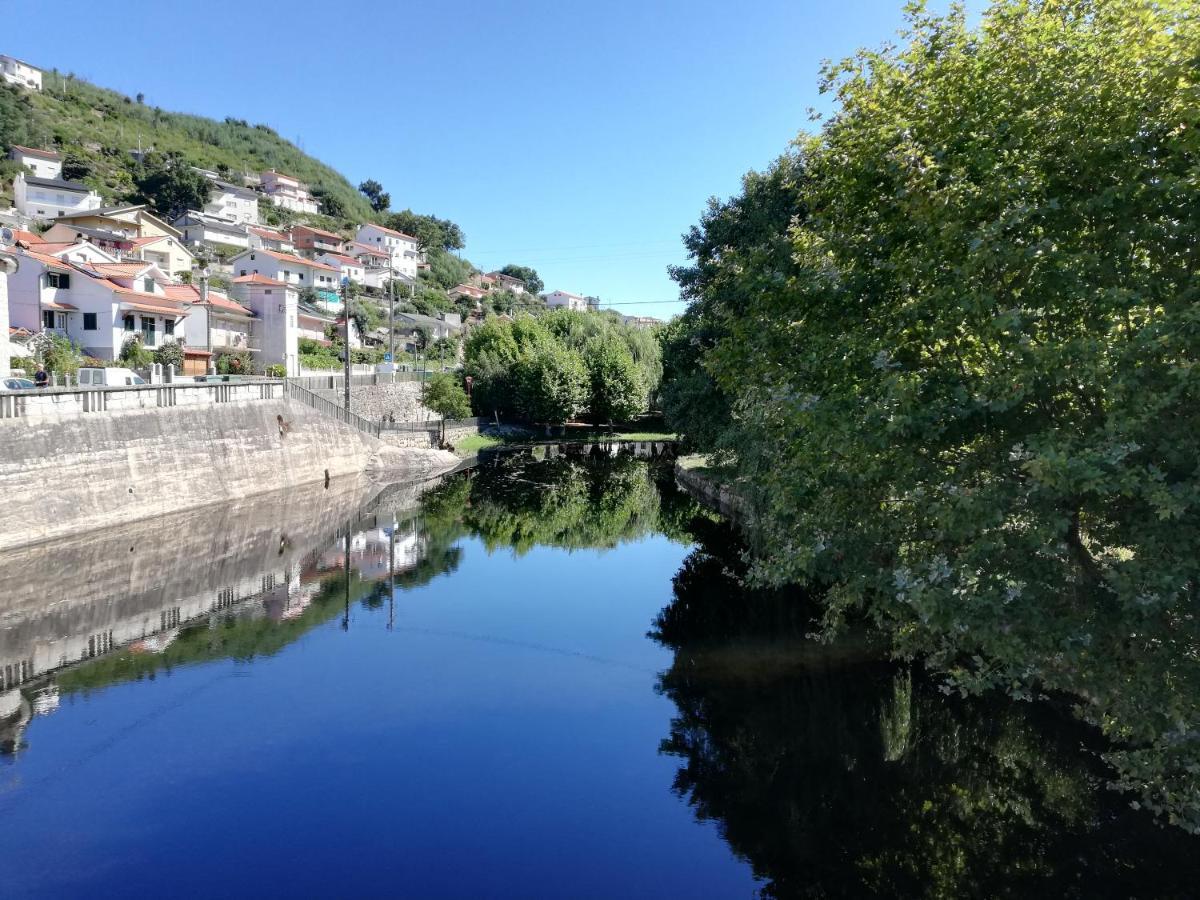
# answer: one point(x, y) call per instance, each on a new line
point(473, 443)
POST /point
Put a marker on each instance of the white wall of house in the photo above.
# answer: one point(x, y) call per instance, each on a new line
point(277, 323)
point(19, 73)
point(203, 233)
point(295, 271)
point(405, 254)
point(239, 206)
point(40, 166)
point(44, 203)
point(353, 271)
point(556, 299)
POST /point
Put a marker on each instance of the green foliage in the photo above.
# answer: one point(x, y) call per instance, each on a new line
point(965, 398)
point(431, 232)
point(134, 355)
point(552, 383)
point(376, 196)
point(331, 204)
point(70, 113)
point(275, 370)
point(235, 362)
point(617, 390)
point(446, 270)
point(529, 275)
point(170, 185)
point(446, 397)
point(170, 353)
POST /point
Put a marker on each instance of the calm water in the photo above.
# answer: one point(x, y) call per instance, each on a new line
point(539, 679)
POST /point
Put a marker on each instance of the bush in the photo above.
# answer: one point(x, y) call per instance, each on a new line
point(276, 370)
point(170, 354)
point(235, 362)
point(319, 361)
point(134, 355)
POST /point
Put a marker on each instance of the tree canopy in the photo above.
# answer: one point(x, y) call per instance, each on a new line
point(954, 333)
point(529, 275)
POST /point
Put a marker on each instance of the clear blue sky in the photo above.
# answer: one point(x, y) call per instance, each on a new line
point(580, 138)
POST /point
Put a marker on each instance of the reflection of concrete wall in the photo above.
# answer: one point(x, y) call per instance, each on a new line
point(99, 471)
point(71, 599)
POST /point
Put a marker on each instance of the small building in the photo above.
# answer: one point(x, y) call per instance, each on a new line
point(287, 192)
point(22, 74)
point(199, 228)
point(404, 248)
point(565, 300)
point(467, 290)
point(262, 238)
point(49, 198)
point(641, 321)
point(310, 241)
point(347, 266)
point(443, 325)
point(142, 234)
point(215, 323)
point(229, 201)
point(507, 282)
point(290, 269)
point(40, 163)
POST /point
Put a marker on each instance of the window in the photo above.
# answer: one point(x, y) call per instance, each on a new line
point(148, 285)
point(47, 318)
point(148, 331)
point(128, 321)
point(58, 279)
point(89, 321)
point(169, 327)
point(243, 272)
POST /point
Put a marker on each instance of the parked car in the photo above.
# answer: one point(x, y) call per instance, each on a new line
point(18, 384)
point(94, 378)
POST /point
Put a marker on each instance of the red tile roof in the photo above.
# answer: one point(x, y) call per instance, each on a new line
point(344, 260)
point(292, 258)
point(256, 278)
point(319, 232)
point(33, 151)
point(47, 260)
point(51, 304)
point(401, 234)
point(269, 234)
point(189, 293)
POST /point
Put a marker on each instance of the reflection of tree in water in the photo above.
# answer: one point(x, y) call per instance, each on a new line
point(563, 502)
point(835, 773)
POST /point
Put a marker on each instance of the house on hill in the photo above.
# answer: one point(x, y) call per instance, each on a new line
point(565, 299)
point(404, 248)
point(147, 236)
point(44, 199)
point(200, 228)
point(22, 74)
point(287, 192)
point(40, 163)
point(230, 201)
point(291, 269)
point(310, 241)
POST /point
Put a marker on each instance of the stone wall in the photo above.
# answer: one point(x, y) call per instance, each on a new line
point(71, 471)
point(401, 401)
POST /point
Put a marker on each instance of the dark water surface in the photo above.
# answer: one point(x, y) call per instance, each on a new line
point(541, 678)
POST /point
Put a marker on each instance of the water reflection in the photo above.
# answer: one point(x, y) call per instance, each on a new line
point(828, 769)
point(836, 773)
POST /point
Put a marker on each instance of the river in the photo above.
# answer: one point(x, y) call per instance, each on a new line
point(541, 677)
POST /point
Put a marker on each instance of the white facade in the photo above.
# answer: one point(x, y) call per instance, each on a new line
point(199, 228)
point(97, 314)
point(8, 266)
point(49, 198)
point(346, 266)
point(269, 239)
point(287, 192)
point(231, 202)
point(40, 163)
point(20, 73)
point(558, 299)
point(286, 268)
point(281, 318)
point(402, 247)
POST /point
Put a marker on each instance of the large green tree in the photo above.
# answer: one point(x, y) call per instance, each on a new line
point(967, 402)
point(529, 275)
point(170, 186)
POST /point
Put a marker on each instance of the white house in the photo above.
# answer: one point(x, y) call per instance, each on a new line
point(20, 73)
point(49, 198)
point(402, 247)
point(201, 228)
point(268, 239)
point(282, 319)
point(507, 282)
point(347, 266)
point(40, 163)
point(287, 192)
point(97, 306)
point(375, 260)
point(289, 269)
point(215, 322)
point(557, 299)
point(229, 201)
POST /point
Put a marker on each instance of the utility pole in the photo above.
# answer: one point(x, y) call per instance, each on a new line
point(392, 315)
point(346, 333)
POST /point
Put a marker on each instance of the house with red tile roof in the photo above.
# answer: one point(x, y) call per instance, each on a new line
point(287, 192)
point(290, 269)
point(404, 248)
point(97, 305)
point(41, 163)
point(347, 266)
point(310, 241)
point(263, 238)
point(216, 323)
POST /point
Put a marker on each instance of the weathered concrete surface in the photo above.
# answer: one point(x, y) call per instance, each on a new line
point(374, 402)
point(713, 494)
point(61, 476)
point(66, 600)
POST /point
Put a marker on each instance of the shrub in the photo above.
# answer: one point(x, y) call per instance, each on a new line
point(235, 362)
point(134, 355)
point(276, 370)
point(170, 354)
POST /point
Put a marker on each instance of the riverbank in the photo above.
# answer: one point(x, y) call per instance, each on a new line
point(710, 487)
point(86, 460)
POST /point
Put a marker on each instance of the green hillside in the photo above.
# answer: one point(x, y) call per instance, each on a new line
point(96, 128)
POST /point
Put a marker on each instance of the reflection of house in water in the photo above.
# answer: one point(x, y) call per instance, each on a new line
point(377, 551)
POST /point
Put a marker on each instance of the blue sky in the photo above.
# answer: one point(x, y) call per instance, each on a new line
point(581, 139)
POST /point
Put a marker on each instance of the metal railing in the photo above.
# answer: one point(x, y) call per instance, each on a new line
point(334, 380)
point(294, 391)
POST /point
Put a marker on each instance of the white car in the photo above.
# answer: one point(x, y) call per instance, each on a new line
point(94, 378)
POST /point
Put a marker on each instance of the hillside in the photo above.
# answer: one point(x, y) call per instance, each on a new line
point(97, 128)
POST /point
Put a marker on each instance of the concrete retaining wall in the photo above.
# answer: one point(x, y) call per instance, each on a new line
point(64, 469)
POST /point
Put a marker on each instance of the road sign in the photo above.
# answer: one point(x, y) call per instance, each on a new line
point(387, 357)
